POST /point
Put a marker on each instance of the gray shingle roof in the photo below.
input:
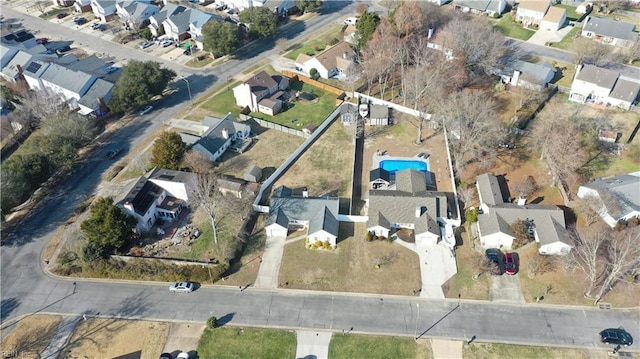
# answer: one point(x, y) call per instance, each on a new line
point(321, 213)
point(598, 76)
point(625, 187)
point(379, 173)
point(489, 188)
point(90, 64)
point(411, 181)
point(70, 80)
point(611, 28)
point(212, 139)
point(171, 175)
point(482, 5)
point(530, 72)
point(379, 111)
point(625, 90)
point(387, 207)
point(99, 89)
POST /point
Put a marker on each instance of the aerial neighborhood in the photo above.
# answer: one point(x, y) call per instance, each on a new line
point(446, 179)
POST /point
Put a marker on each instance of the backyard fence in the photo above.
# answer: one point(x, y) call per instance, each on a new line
point(395, 106)
point(275, 126)
point(312, 82)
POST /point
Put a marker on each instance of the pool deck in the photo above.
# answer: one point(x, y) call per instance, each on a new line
point(377, 158)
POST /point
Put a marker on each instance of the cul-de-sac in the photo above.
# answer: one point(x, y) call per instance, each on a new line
point(322, 179)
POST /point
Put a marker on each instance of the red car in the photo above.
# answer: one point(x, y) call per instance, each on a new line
point(510, 266)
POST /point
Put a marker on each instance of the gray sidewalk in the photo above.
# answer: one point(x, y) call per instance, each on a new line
point(312, 344)
point(61, 337)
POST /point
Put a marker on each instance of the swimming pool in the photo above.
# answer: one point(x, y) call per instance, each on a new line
point(392, 166)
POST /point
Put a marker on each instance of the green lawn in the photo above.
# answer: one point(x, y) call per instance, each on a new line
point(302, 111)
point(567, 41)
point(489, 350)
point(510, 28)
point(564, 73)
point(572, 15)
point(310, 48)
point(365, 346)
point(233, 342)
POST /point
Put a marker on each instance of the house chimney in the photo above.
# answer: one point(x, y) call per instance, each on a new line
point(305, 193)
point(225, 133)
point(129, 206)
point(521, 201)
point(419, 211)
point(19, 69)
point(430, 34)
point(515, 78)
point(345, 55)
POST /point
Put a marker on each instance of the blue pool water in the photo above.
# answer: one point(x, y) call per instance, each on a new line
point(392, 166)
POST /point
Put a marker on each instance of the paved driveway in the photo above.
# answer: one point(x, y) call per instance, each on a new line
point(541, 37)
point(506, 288)
point(270, 263)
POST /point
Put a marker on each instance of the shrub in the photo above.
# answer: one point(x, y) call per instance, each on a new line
point(334, 41)
point(316, 47)
point(496, 15)
point(326, 245)
point(472, 215)
point(212, 323)
point(314, 73)
point(317, 244)
point(368, 237)
point(310, 53)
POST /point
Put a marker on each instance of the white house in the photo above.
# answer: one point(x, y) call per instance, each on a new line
point(221, 135)
point(603, 86)
point(618, 197)
point(527, 74)
point(554, 19)
point(135, 14)
point(319, 215)
point(104, 9)
point(609, 31)
point(333, 61)
point(531, 12)
point(261, 93)
point(160, 194)
point(545, 223)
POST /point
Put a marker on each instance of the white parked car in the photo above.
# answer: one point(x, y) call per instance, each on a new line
point(146, 110)
point(183, 355)
point(166, 43)
point(184, 287)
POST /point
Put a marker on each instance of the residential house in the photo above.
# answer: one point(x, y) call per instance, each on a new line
point(334, 61)
point(618, 197)
point(221, 135)
point(135, 14)
point(530, 13)
point(63, 3)
point(81, 6)
point(262, 93)
point(492, 8)
point(14, 60)
point(168, 10)
point(230, 186)
point(609, 31)
point(348, 114)
point(253, 174)
point(584, 7)
point(160, 194)
point(527, 74)
point(187, 24)
point(318, 215)
point(408, 206)
point(603, 86)
point(104, 9)
point(545, 223)
point(378, 115)
point(23, 40)
point(554, 19)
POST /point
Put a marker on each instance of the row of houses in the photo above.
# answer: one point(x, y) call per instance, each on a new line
point(598, 85)
point(86, 85)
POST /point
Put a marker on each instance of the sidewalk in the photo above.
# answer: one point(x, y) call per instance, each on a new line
point(61, 337)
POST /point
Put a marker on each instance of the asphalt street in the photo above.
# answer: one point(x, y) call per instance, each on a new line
point(26, 289)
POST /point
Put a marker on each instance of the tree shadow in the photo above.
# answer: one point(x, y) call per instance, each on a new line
point(537, 200)
point(7, 306)
point(225, 319)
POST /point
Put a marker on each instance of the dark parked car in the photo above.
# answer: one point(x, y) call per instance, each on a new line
point(510, 266)
point(62, 15)
point(42, 41)
point(80, 21)
point(617, 336)
point(63, 49)
point(113, 153)
point(497, 257)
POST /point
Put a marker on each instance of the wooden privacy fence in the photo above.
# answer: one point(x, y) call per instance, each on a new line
point(312, 82)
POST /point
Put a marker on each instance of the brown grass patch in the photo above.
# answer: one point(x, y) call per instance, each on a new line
point(350, 267)
point(326, 166)
point(31, 336)
point(463, 283)
point(494, 350)
point(110, 338)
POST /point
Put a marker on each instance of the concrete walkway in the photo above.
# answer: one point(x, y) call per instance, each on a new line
point(183, 337)
point(312, 345)
point(506, 288)
point(446, 349)
point(270, 266)
point(61, 337)
point(437, 265)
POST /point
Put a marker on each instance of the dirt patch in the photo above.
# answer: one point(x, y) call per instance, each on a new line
point(30, 337)
point(110, 338)
point(351, 266)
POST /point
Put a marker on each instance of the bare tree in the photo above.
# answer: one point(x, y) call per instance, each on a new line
point(539, 265)
point(390, 5)
point(38, 105)
point(41, 6)
point(585, 256)
point(407, 19)
point(484, 265)
point(623, 258)
point(589, 209)
point(480, 47)
point(526, 187)
point(587, 51)
point(558, 139)
point(206, 195)
point(632, 53)
point(471, 118)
